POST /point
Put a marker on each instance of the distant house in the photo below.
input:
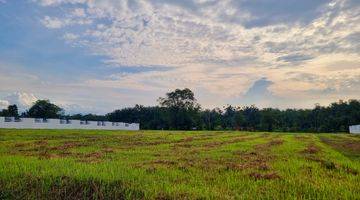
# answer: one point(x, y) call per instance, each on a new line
point(39, 123)
point(355, 129)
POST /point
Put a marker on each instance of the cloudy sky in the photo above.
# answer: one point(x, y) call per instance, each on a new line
point(98, 55)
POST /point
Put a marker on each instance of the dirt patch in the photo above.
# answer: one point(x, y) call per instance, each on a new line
point(94, 157)
point(302, 137)
point(258, 159)
point(161, 141)
point(276, 142)
point(260, 165)
point(311, 153)
point(47, 155)
point(163, 162)
point(265, 135)
point(231, 141)
point(251, 160)
point(313, 158)
point(68, 145)
point(43, 150)
point(108, 150)
point(20, 145)
point(311, 149)
point(183, 145)
point(188, 139)
point(41, 143)
point(214, 144)
point(187, 142)
point(268, 145)
point(267, 176)
point(152, 166)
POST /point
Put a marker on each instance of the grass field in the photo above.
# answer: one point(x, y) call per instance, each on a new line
point(79, 164)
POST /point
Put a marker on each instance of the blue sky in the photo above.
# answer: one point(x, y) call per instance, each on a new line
point(95, 56)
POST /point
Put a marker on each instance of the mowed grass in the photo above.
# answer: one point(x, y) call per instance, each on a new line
point(83, 164)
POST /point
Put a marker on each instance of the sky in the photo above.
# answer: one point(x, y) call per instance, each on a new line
point(100, 55)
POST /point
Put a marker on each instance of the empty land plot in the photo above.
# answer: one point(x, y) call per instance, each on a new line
point(84, 164)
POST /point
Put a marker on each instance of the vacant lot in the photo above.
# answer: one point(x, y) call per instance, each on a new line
point(81, 164)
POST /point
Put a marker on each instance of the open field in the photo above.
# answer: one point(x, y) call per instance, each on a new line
point(74, 164)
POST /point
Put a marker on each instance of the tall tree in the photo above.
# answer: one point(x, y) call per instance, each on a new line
point(45, 109)
point(11, 111)
point(269, 119)
point(211, 119)
point(181, 99)
point(182, 109)
point(252, 117)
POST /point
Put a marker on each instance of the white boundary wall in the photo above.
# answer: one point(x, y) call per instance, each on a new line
point(32, 123)
point(354, 129)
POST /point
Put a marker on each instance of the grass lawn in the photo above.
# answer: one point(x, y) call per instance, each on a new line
point(83, 164)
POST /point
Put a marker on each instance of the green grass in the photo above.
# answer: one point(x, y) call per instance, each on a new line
point(83, 164)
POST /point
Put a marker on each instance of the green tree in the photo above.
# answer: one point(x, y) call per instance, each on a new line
point(182, 99)
point(11, 111)
point(211, 119)
point(252, 117)
point(239, 120)
point(269, 119)
point(182, 109)
point(44, 109)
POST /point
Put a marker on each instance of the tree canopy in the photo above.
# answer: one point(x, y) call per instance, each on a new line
point(179, 110)
point(11, 111)
point(179, 99)
point(44, 109)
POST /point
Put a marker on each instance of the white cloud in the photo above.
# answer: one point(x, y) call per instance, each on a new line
point(52, 22)
point(221, 47)
point(4, 104)
point(22, 99)
point(56, 23)
point(79, 12)
point(170, 33)
point(58, 2)
point(70, 36)
point(75, 96)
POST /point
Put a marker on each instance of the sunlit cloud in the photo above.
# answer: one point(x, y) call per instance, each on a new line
point(305, 50)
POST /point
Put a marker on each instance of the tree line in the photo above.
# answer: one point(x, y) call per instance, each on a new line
point(179, 110)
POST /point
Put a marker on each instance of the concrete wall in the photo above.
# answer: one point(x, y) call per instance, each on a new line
point(31, 123)
point(354, 129)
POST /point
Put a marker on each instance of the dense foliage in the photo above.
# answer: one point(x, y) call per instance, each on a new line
point(334, 118)
point(11, 111)
point(179, 110)
point(44, 109)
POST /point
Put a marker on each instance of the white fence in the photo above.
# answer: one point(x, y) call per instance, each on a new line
point(354, 129)
point(38, 123)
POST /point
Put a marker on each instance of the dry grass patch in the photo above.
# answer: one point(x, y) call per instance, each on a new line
point(311, 153)
point(303, 137)
point(350, 147)
point(266, 176)
point(43, 150)
point(311, 149)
